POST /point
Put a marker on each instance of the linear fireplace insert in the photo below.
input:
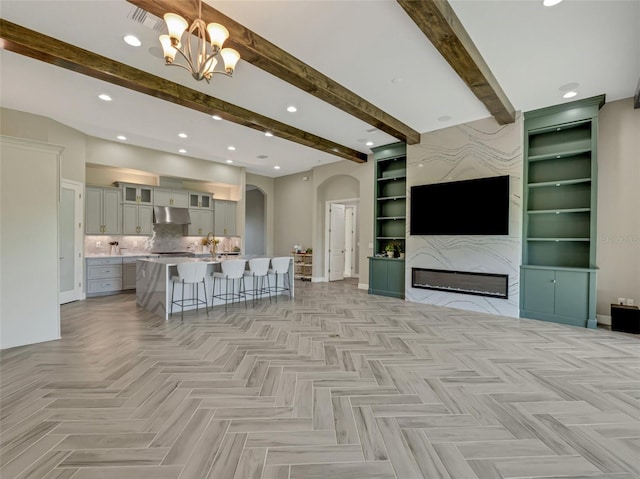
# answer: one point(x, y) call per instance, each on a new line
point(465, 282)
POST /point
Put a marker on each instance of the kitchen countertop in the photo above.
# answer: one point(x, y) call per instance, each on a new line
point(172, 261)
point(128, 255)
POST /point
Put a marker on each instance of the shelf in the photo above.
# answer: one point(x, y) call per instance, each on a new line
point(391, 218)
point(386, 198)
point(559, 183)
point(557, 240)
point(557, 156)
point(390, 237)
point(559, 211)
point(394, 177)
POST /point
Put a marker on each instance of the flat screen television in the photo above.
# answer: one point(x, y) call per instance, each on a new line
point(470, 207)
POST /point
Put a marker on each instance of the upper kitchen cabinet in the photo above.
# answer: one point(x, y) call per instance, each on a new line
point(224, 218)
point(201, 222)
point(137, 219)
point(164, 197)
point(103, 211)
point(136, 194)
point(200, 200)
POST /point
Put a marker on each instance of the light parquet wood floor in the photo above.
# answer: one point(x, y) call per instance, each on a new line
point(334, 384)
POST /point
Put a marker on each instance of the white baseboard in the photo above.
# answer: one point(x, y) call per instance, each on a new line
point(603, 319)
point(363, 286)
point(319, 279)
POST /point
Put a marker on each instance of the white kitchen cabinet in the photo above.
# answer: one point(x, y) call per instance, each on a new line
point(200, 200)
point(224, 218)
point(128, 273)
point(137, 219)
point(102, 211)
point(165, 197)
point(201, 222)
point(136, 194)
point(104, 276)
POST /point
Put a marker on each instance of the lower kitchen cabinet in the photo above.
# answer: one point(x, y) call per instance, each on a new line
point(386, 276)
point(104, 276)
point(137, 219)
point(111, 275)
point(128, 273)
point(561, 295)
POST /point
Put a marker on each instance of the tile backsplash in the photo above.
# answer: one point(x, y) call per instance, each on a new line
point(165, 238)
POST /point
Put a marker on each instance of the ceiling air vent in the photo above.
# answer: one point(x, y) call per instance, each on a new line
point(147, 19)
point(262, 157)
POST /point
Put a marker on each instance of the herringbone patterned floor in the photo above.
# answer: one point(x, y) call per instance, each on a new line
point(334, 384)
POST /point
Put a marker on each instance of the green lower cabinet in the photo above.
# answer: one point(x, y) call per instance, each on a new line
point(386, 277)
point(564, 296)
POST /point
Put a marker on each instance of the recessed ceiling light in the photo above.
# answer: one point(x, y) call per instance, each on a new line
point(550, 3)
point(182, 150)
point(182, 135)
point(369, 143)
point(104, 97)
point(121, 137)
point(276, 167)
point(132, 40)
point(229, 161)
point(420, 165)
point(570, 94)
point(231, 148)
point(268, 133)
point(292, 109)
point(216, 117)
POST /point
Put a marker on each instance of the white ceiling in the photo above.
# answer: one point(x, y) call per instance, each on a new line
point(370, 47)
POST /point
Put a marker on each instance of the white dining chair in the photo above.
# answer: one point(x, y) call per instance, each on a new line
point(232, 271)
point(258, 271)
point(191, 274)
point(280, 268)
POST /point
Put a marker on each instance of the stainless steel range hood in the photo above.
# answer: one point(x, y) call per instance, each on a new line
point(169, 215)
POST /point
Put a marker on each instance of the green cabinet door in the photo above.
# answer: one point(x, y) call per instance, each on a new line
point(386, 277)
point(539, 290)
point(395, 277)
point(572, 294)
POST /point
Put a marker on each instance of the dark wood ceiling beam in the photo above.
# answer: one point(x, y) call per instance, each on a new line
point(440, 24)
point(272, 59)
point(18, 39)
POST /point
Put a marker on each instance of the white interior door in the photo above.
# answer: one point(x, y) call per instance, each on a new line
point(349, 235)
point(336, 242)
point(70, 241)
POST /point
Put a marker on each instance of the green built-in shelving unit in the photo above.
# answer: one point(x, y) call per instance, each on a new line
point(386, 275)
point(558, 273)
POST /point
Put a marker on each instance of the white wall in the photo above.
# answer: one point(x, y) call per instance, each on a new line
point(255, 237)
point(267, 186)
point(474, 150)
point(294, 207)
point(29, 197)
point(618, 243)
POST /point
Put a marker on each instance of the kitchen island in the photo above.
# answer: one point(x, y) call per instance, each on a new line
point(153, 283)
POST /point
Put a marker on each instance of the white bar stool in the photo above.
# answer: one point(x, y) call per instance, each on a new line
point(192, 274)
point(280, 267)
point(258, 271)
point(232, 270)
